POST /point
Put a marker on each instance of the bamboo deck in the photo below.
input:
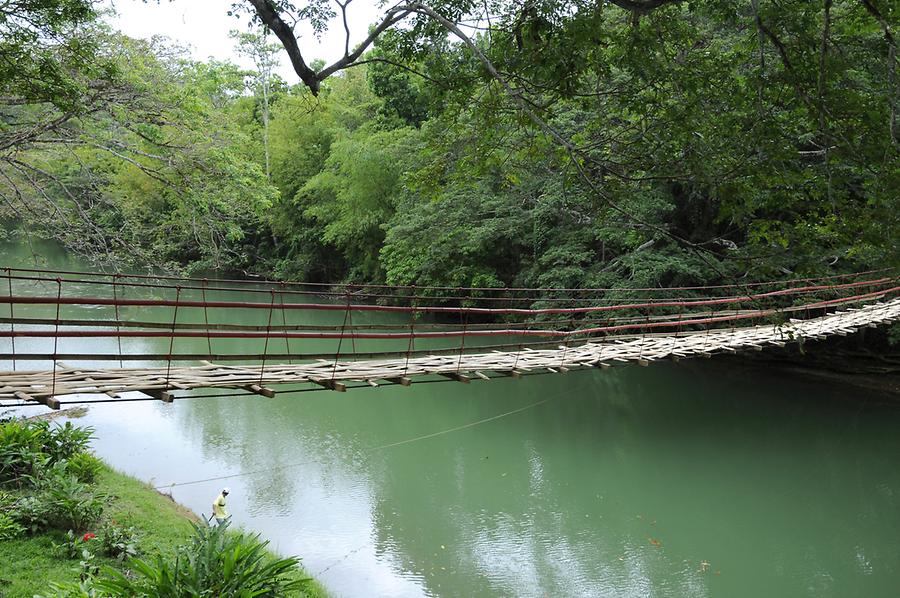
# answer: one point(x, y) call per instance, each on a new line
point(160, 382)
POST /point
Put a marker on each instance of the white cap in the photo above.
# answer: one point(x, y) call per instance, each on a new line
point(225, 490)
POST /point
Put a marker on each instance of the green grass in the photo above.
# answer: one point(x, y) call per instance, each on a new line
point(28, 565)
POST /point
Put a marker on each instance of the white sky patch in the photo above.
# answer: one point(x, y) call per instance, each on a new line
point(203, 26)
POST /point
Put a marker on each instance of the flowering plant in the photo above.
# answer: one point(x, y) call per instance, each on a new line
point(72, 545)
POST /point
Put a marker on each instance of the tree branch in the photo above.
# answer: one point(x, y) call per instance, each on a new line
point(893, 91)
point(393, 16)
point(269, 15)
point(642, 6)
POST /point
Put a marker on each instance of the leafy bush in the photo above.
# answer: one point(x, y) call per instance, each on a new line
point(85, 589)
point(85, 467)
point(66, 441)
point(214, 563)
point(74, 545)
point(20, 450)
point(8, 501)
point(34, 513)
point(10, 529)
point(70, 504)
point(118, 541)
point(60, 501)
point(27, 448)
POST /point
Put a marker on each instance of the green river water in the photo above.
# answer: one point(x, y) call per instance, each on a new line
point(691, 479)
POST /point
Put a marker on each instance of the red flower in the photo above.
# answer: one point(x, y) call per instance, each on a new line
point(89, 536)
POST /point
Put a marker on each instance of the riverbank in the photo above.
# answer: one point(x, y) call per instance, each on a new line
point(866, 361)
point(29, 564)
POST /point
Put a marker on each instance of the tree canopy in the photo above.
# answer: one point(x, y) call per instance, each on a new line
point(559, 143)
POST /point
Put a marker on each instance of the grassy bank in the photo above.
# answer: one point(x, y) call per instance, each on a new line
point(157, 526)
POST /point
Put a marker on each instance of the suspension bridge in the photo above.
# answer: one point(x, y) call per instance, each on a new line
point(79, 337)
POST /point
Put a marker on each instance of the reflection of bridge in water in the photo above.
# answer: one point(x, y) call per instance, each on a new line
point(471, 333)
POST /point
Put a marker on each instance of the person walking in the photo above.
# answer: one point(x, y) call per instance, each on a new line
point(219, 511)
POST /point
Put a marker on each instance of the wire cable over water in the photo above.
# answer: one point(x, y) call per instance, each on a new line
point(369, 450)
point(375, 449)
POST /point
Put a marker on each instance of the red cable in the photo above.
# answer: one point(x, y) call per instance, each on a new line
point(403, 335)
point(437, 309)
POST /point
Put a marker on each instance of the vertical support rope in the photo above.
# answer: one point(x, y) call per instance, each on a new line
point(262, 366)
point(567, 339)
point(350, 323)
point(602, 322)
point(521, 344)
point(644, 336)
point(56, 333)
point(412, 330)
point(565, 349)
point(464, 316)
point(287, 338)
point(708, 329)
point(118, 321)
point(337, 355)
point(12, 324)
point(172, 337)
point(206, 318)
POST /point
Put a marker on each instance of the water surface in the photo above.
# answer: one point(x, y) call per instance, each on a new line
point(690, 479)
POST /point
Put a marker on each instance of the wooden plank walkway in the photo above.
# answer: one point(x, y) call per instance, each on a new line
point(160, 382)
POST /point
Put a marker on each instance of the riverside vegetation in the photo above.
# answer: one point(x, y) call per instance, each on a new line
point(556, 144)
point(71, 527)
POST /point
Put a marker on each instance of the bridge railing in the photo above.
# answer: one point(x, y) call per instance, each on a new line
point(51, 315)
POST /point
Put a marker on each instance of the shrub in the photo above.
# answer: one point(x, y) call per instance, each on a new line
point(66, 441)
point(70, 504)
point(118, 541)
point(60, 501)
point(214, 563)
point(74, 545)
point(21, 450)
point(85, 589)
point(10, 529)
point(85, 467)
point(19, 433)
point(33, 513)
point(8, 501)
point(27, 448)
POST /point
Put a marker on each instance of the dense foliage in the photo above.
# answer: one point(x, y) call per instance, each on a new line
point(556, 144)
point(45, 476)
point(214, 562)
